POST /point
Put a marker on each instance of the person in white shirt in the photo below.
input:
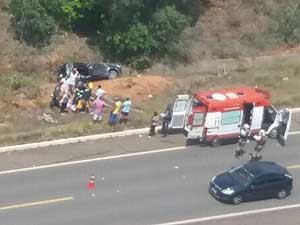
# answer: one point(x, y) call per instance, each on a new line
point(100, 92)
point(72, 78)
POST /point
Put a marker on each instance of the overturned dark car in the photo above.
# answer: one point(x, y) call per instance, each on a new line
point(91, 71)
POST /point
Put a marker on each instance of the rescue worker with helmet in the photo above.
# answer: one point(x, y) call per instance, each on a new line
point(243, 139)
point(261, 139)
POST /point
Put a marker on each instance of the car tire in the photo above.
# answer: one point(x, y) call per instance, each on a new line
point(273, 133)
point(112, 74)
point(215, 143)
point(188, 142)
point(236, 200)
point(282, 194)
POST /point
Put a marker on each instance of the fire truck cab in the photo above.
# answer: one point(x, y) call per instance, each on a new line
point(215, 116)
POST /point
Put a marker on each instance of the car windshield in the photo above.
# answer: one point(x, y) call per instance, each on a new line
point(241, 175)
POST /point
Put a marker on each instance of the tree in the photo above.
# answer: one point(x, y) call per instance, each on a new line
point(134, 47)
point(167, 25)
point(287, 25)
point(129, 31)
point(32, 24)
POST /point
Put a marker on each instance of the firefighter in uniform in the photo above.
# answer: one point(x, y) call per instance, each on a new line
point(261, 139)
point(243, 139)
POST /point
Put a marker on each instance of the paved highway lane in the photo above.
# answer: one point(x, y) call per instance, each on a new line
point(145, 189)
point(287, 215)
point(85, 150)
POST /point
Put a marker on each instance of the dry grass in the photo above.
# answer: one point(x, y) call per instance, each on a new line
point(73, 125)
point(279, 74)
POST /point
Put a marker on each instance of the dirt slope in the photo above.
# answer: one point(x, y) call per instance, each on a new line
point(138, 88)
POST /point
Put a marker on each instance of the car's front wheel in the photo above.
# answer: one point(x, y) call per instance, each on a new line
point(216, 143)
point(282, 194)
point(237, 200)
point(112, 74)
point(273, 133)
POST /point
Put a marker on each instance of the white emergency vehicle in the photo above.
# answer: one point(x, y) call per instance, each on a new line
point(218, 115)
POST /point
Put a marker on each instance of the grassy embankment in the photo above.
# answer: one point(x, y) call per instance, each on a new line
point(220, 33)
point(279, 75)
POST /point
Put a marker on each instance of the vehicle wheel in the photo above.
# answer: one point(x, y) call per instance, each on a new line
point(112, 74)
point(215, 143)
point(282, 194)
point(273, 133)
point(237, 200)
point(188, 142)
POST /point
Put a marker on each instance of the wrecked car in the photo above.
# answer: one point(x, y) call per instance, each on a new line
point(91, 71)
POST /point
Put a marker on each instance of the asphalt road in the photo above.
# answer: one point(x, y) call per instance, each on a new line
point(145, 189)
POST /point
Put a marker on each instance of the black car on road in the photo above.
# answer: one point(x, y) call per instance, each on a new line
point(254, 180)
point(91, 71)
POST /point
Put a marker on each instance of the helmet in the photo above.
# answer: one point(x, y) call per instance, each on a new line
point(246, 126)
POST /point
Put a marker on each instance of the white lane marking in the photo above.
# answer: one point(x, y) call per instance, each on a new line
point(31, 204)
point(294, 133)
point(101, 158)
point(293, 167)
point(295, 110)
point(94, 160)
point(231, 215)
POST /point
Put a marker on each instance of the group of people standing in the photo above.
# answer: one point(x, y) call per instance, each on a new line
point(120, 111)
point(244, 138)
point(165, 117)
point(72, 95)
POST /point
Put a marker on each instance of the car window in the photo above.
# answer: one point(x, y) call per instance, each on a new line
point(242, 175)
point(275, 178)
point(269, 115)
point(198, 119)
point(231, 117)
point(261, 180)
point(258, 182)
point(180, 105)
point(98, 69)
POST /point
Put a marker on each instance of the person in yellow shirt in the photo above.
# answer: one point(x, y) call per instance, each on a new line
point(115, 112)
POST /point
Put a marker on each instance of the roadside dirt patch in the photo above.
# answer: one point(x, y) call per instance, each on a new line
point(138, 88)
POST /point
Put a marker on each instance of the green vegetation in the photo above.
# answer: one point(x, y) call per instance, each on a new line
point(32, 22)
point(134, 32)
point(287, 23)
point(195, 40)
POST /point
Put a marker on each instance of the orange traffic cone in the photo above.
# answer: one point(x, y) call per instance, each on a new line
point(91, 185)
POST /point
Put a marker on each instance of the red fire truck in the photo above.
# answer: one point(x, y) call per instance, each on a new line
point(218, 115)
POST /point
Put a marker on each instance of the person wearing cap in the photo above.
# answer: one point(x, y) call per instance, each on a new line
point(261, 139)
point(243, 139)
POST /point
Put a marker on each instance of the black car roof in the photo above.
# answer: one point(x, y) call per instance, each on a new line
point(259, 168)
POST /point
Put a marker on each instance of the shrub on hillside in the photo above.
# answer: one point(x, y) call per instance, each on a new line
point(15, 81)
point(31, 22)
point(287, 23)
point(144, 42)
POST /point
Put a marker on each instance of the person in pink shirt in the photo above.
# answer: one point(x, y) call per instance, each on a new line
point(98, 109)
